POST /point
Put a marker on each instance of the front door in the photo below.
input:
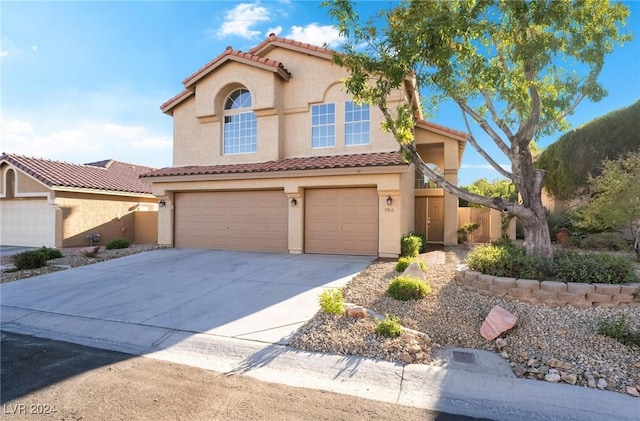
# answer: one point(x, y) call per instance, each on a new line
point(430, 218)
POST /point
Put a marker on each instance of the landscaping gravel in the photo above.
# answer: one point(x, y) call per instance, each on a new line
point(559, 343)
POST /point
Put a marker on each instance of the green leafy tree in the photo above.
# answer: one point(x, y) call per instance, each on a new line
point(580, 152)
point(502, 188)
point(515, 68)
point(615, 198)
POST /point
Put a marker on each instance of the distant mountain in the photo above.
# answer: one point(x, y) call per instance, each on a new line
point(580, 152)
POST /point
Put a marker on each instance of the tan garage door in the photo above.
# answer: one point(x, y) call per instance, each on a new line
point(27, 222)
point(341, 221)
point(250, 220)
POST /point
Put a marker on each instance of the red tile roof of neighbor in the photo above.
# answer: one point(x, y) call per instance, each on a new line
point(107, 175)
point(381, 159)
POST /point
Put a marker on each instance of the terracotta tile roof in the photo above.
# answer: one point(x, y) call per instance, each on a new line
point(170, 103)
point(235, 55)
point(272, 39)
point(430, 125)
point(381, 159)
point(108, 175)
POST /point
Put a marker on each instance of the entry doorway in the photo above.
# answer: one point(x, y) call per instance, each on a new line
point(430, 218)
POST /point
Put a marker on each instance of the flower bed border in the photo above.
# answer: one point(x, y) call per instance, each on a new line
point(551, 293)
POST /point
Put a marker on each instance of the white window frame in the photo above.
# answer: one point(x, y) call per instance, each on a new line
point(323, 126)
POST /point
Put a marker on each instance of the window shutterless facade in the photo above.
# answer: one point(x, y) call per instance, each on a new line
point(240, 124)
point(323, 125)
point(356, 124)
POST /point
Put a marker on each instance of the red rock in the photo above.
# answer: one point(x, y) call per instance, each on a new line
point(498, 321)
point(633, 391)
point(357, 312)
point(88, 250)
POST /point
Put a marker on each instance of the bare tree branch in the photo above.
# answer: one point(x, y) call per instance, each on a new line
point(482, 122)
point(482, 152)
point(563, 115)
point(499, 122)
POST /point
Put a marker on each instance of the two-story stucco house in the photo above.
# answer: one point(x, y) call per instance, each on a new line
point(271, 154)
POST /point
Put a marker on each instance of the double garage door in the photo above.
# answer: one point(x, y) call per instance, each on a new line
point(336, 221)
point(27, 223)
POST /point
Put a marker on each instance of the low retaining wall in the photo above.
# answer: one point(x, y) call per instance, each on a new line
point(551, 293)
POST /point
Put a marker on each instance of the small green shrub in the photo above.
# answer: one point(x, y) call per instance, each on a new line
point(404, 262)
point(50, 253)
point(118, 243)
point(423, 240)
point(405, 288)
point(506, 259)
point(30, 259)
point(605, 241)
point(410, 245)
point(332, 301)
point(619, 329)
point(599, 268)
point(465, 231)
point(390, 327)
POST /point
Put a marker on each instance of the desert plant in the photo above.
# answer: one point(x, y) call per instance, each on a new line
point(390, 327)
point(332, 301)
point(556, 220)
point(599, 268)
point(423, 240)
point(117, 243)
point(620, 329)
point(605, 241)
point(410, 245)
point(405, 288)
point(50, 253)
point(30, 259)
point(404, 262)
point(503, 258)
point(466, 230)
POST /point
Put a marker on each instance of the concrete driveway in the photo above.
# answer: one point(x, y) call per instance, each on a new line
point(260, 297)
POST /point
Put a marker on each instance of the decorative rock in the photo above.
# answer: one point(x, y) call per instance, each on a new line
point(553, 363)
point(414, 271)
point(533, 362)
point(505, 355)
point(501, 343)
point(406, 358)
point(88, 250)
point(569, 377)
point(602, 384)
point(633, 391)
point(553, 376)
point(413, 349)
point(357, 312)
point(498, 321)
point(519, 371)
point(591, 382)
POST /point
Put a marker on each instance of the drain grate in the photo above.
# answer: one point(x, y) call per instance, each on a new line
point(464, 357)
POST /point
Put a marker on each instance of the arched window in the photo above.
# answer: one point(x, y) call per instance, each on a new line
point(240, 124)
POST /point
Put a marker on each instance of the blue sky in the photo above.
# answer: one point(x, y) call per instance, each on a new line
point(83, 81)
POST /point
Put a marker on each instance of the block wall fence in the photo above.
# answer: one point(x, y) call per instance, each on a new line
point(551, 293)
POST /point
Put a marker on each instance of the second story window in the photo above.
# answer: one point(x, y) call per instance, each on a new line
point(356, 124)
point(323, 125)
point(240, 124)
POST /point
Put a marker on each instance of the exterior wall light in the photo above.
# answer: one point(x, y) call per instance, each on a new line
point(294, 201)
point(389, 200)
point(162, 203)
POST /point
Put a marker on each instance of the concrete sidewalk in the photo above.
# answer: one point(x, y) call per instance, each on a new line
point(453, 389)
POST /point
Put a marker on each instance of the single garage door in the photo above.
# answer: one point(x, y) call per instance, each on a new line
point(248, 220)
point(28, 223)
point(341, 221)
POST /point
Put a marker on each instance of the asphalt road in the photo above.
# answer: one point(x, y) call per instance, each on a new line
point(47, 379)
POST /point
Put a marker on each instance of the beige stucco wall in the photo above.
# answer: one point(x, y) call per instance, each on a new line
point(24, 184)
point(110, 216)
point(393, 220)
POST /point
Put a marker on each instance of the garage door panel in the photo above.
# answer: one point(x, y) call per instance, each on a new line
point(27, 223)
point(341, 221)
point(248, 220)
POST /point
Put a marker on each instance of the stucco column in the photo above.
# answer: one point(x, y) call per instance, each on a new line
point(296, 221)
point(389, 223)
point(450, 211)
point(165, 220)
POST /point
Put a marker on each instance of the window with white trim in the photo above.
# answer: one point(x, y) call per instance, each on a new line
point(240, 124)
point(323, 126)
point(356, 124)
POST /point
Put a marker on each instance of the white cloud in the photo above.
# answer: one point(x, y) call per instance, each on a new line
point(4, 53)
point(275, 30)
point(241, 19)
point(316, 34)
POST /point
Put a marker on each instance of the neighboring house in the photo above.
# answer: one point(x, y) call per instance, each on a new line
point(271, 154)
point(58, 204)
